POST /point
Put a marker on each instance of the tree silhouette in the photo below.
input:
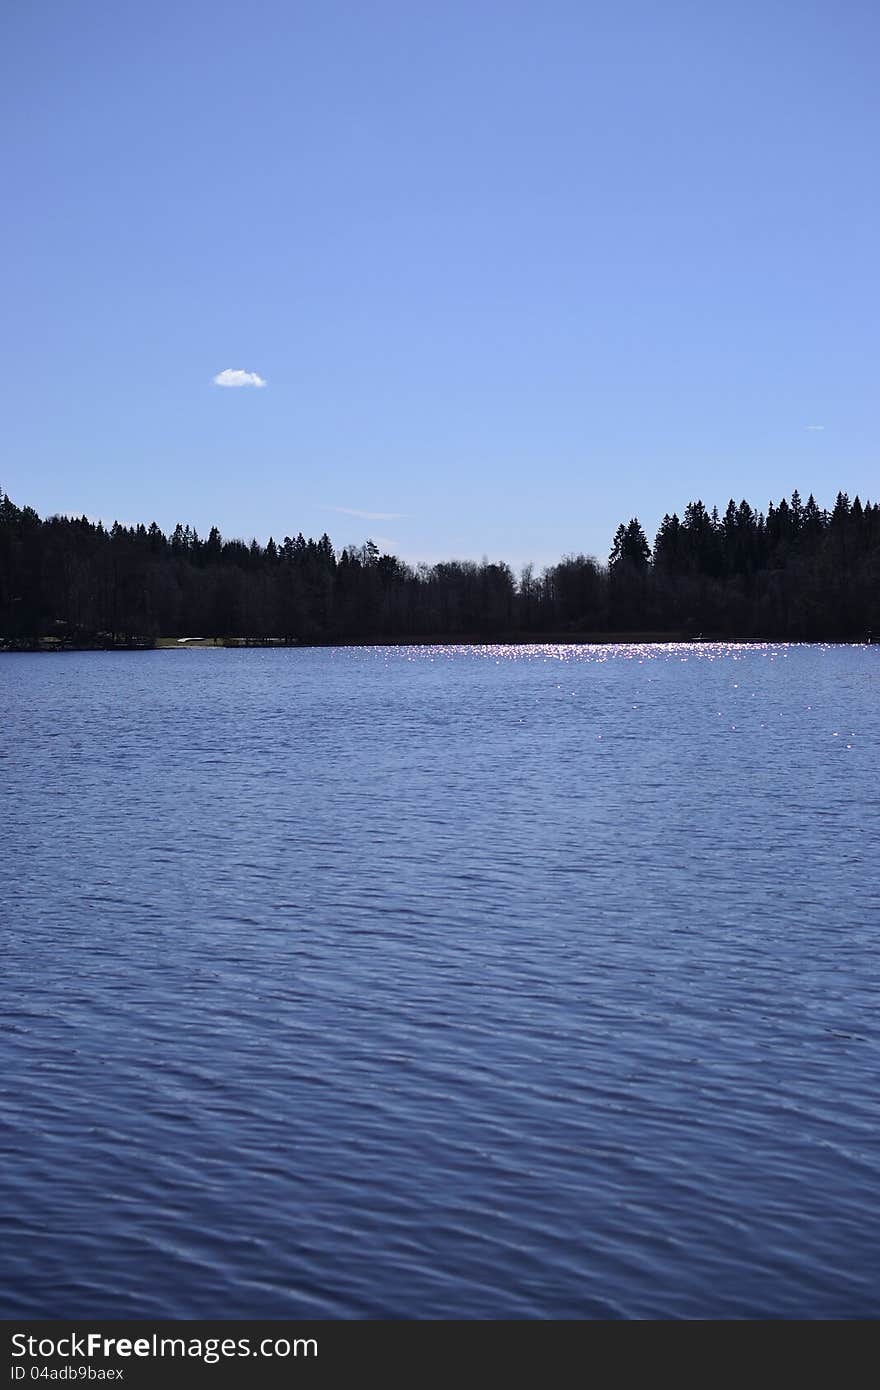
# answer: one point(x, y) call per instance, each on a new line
point(798, 572)
point(630, 546)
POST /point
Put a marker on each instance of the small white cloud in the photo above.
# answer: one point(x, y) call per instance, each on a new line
point(369, 516)
point(236, 377)
point(815, 427)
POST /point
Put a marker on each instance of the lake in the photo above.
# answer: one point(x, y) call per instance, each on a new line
point(441, 982)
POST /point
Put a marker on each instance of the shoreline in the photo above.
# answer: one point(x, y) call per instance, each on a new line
point(519, 639)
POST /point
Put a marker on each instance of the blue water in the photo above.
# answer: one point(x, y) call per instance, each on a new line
point(442, 982)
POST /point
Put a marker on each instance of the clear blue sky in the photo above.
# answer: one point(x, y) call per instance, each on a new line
point(512, 272)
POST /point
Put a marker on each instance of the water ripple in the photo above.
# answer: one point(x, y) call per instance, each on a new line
point(441, 982)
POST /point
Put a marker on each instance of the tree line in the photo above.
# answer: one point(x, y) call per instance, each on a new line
point(796, 572)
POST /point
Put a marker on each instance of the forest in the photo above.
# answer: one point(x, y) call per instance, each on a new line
point(796, 572)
